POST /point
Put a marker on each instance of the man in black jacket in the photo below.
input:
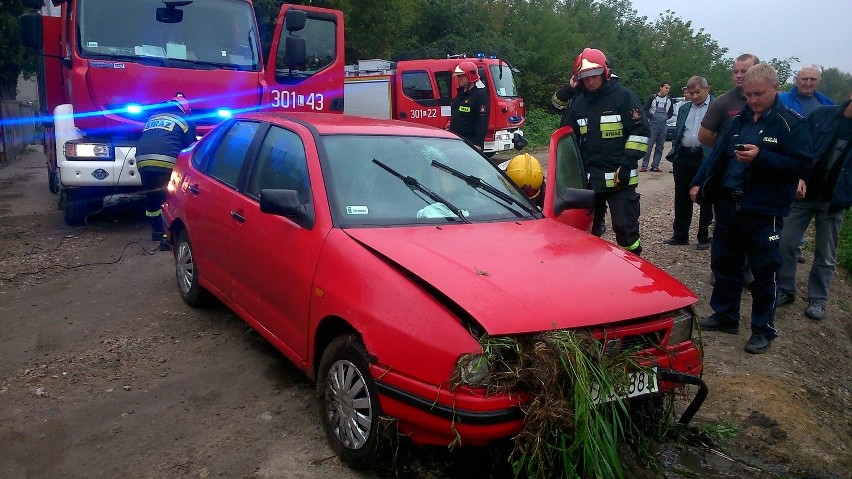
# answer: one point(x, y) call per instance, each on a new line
point(825, 197)
point(751, 179)
point(469, 111)
point(612, 134)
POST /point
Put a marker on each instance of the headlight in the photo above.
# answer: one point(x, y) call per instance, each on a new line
point(474, 370)
point(683, 322)
point(87, 151)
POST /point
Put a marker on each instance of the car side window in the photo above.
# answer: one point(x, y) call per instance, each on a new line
point(281, 164)
point(569, 166)
point(227, 159)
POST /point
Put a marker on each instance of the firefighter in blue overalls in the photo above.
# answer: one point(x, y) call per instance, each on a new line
point(469, 110)
point(166, 133)
point(612, 134)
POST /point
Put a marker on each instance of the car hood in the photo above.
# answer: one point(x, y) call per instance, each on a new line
point(528, 276)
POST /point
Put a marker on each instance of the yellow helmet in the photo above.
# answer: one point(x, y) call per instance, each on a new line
point(526, 172)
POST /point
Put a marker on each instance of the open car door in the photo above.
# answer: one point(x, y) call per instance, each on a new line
point(304, 72)
point(566, 198)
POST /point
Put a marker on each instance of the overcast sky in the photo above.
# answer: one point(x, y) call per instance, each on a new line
point(815, 31)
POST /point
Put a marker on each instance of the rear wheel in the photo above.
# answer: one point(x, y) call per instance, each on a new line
point(349, 405)
point(53, 180)
point(186, 272)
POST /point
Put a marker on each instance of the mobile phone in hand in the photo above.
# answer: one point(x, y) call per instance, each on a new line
point(740, 147)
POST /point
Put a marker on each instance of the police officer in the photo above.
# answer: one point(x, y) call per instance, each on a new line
point(166, 133)
point(469, 110)
point(525, 171)
point(612, 132)
point(751, 178)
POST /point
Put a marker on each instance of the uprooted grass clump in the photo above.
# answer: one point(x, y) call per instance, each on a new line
point(569, 432)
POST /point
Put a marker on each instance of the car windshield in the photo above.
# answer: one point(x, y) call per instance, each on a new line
point(401, 180)
point(203, 34)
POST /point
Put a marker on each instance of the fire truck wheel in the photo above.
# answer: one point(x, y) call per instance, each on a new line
point(77, 206)
point(53, 180)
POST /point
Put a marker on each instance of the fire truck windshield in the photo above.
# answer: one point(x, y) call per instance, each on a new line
point(504, 82)
point(203, 34)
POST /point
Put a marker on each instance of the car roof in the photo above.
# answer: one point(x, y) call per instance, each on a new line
point(336, 124)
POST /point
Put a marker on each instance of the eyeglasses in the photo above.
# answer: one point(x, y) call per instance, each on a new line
point(809, 79)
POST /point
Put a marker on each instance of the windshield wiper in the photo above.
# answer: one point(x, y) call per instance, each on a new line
point(412, 183)
point(479, 183)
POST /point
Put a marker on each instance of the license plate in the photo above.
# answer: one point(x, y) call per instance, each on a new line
point(639, 383)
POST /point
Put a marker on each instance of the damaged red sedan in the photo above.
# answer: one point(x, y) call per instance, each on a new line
point(375, 255)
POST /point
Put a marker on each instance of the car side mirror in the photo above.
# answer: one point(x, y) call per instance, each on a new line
point(286, 203)
point(572, 199)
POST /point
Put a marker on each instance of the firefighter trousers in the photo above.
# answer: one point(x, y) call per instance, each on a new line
point(624, 210)
point(154, 181)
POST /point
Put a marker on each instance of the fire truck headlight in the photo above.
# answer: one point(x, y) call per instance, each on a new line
point(683, 322)
point(88, 151)
point(224, 113)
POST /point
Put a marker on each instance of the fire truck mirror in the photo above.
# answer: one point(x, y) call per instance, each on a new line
point(30, 24)
point(295, 52)
point(294, 20)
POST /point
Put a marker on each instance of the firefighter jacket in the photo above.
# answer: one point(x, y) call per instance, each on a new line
point(164, 136)
point(469, 114)
point(612, 133)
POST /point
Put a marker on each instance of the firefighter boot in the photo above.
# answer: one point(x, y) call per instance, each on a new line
point(164, 243)
point(157, 228)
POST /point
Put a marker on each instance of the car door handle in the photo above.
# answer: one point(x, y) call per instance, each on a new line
point(240, 218)
point(194, 188)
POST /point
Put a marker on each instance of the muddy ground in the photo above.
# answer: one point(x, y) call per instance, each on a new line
point(105, 372)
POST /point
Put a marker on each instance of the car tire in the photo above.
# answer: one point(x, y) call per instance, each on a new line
point(186, 272)
point(348, 402)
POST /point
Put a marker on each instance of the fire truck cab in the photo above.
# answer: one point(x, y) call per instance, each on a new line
point(107, 65)
point(421, 91)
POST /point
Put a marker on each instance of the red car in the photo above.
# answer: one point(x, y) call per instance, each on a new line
point(374, 253)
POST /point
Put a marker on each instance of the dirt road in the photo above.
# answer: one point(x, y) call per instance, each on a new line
point(104, 371)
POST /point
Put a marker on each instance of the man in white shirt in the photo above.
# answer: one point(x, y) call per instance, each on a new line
point(687, 154)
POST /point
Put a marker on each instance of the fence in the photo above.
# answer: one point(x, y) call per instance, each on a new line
point(17, 128)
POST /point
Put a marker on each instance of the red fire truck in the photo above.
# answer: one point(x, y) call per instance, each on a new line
point(105, 64)
point(421, 91)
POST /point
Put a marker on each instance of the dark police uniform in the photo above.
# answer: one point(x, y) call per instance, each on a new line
point(750, 202)
point(469, 114)
point(612, 134)
point(164, 136)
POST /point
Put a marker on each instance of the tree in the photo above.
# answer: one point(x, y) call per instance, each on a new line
point(15, 58)
point(836, 84)
point(785, 70)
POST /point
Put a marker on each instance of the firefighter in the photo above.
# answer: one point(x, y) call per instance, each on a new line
point(469, 110)
point(526, 172)
point(166, 133)
point(612, 134)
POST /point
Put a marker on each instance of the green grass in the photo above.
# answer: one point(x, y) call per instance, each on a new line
point(844, 248)
point(539, 126)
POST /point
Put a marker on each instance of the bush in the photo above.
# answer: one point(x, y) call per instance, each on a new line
point(539, 126)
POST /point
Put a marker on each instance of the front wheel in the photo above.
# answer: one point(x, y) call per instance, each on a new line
point(186, 272)
point(77, 205)
point(349, 405)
